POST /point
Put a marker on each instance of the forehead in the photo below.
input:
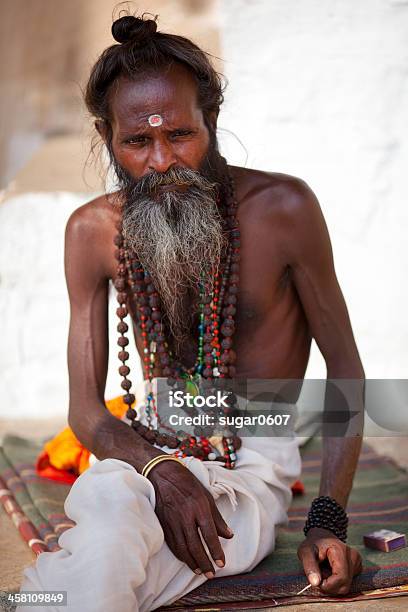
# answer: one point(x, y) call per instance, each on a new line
point(171, 93)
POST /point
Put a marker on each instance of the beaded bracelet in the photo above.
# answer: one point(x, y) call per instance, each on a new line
point(326, 513)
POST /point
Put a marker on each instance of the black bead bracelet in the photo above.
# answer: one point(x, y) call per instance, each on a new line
point(326, 513)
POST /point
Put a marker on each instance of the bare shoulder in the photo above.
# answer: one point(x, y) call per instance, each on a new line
point(90, 233)
point(93, 218)
point(274, 194)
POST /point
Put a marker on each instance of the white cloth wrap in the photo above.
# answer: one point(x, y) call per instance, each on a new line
point(116, 558)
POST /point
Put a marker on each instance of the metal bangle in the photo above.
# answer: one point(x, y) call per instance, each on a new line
point(156, 460)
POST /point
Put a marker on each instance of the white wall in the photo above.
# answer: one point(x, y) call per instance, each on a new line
point(319, 89)
point(34, 308)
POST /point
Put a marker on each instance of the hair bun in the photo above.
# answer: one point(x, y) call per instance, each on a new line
point(134, 29)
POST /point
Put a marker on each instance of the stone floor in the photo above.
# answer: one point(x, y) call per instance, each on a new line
point(18, 556)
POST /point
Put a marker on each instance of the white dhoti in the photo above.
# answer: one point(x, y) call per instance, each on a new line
point(116, 558)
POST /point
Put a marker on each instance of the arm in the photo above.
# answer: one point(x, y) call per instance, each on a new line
point(311, 259)
point(87, 282)
point(182, 502)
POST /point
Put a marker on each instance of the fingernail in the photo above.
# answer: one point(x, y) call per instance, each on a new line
point(314, 578)
point(209, 574)
point(220, 563)
point(230, 531)
point(198, 571)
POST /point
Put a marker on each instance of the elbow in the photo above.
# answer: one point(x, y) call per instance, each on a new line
point(76, 423)
point(345, 370)
point(73, 422)
point(345, 366)
point(86, 424)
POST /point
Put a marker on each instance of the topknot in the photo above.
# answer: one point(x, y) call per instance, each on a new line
point(133, 29)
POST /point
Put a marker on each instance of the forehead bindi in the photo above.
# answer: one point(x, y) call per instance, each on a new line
point(172, 95)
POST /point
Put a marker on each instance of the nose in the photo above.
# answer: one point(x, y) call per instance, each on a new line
point(162, 157)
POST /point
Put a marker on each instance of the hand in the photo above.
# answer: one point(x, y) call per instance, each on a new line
point(182, 505)
point(322, 546)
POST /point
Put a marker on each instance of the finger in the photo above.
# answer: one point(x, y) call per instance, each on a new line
point(356, 561)
point(210, 536)
point(308, 556)
point(197, 551)
point(178, 546)
point(221, 526)
point(322, 554)
point(340, 579)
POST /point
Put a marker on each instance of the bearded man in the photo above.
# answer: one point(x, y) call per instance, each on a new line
point(243, 257)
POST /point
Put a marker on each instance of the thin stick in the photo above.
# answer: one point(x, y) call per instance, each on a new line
point(304, 589)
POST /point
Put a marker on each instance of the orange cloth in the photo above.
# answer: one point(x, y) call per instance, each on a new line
point(64, 458)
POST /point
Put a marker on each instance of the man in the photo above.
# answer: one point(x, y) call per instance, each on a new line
point(143, 541)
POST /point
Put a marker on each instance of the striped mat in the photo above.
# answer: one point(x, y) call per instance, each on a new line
point(379, 500)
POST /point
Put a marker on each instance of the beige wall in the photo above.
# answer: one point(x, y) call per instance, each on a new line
point(47, 48)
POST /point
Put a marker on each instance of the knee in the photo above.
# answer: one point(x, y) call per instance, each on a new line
point(111, 487)
point(112, 504)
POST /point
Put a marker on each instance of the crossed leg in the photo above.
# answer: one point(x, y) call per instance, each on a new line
point(116, 558)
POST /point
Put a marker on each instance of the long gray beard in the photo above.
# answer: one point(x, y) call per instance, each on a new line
point(178, 238)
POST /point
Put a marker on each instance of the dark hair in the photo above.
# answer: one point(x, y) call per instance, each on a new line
point(143, 50)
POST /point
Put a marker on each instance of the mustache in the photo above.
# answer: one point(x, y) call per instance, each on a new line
point(174, 176)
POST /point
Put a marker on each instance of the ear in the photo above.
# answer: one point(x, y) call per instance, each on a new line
point(102, 128)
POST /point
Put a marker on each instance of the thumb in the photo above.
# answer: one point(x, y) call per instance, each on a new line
point(308, 557)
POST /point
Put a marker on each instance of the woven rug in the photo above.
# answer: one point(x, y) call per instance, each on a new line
point(379, 500)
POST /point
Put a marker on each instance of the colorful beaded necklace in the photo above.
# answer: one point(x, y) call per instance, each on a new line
point(215, 356)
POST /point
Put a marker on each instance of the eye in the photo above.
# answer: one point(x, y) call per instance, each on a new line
point(138, 140)
point(181, 133)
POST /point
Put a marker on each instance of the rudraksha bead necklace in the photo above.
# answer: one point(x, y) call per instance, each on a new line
point(215, 356)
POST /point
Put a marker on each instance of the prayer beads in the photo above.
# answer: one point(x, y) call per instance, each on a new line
point(215, 357)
